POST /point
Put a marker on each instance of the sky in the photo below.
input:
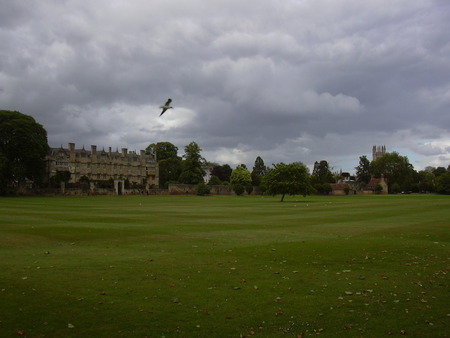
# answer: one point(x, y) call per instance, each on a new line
point(289, 81)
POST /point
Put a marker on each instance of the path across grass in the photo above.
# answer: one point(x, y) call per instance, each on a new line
point(224, 266)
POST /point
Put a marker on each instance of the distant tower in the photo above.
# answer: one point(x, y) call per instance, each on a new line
point(377, 152)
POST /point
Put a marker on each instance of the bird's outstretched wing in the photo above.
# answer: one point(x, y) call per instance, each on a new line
point(163, 111)
point(166, 106)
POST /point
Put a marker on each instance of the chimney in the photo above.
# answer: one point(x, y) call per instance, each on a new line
point(72, 152)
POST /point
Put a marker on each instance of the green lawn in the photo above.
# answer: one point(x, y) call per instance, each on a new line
point(224, 266)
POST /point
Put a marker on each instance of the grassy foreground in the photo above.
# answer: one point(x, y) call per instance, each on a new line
point(224, 266)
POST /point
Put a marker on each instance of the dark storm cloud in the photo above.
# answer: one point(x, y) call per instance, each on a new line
point(288, 81)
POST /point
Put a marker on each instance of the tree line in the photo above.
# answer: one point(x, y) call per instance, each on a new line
point(294, 178)
point(23, 147)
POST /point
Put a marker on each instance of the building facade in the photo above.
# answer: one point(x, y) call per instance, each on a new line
point(103, 165)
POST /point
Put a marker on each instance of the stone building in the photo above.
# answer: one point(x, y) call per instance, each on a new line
point(103, 165)
point(377, 152)
point(369, 188)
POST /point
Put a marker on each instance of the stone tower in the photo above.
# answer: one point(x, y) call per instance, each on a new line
point(377, 152)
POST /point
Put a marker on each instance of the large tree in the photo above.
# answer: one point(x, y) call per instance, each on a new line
point(443, 183)
point(291, 179)
point(363, 171)
point(169, 171)
point(163, 150)
point(23, 147)
point(259, 170)
point(169, 163)
point(241, 176)
point(395, 168)
point(193, 164)
point(322, 173)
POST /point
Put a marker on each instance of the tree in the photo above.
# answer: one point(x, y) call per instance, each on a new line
point(169, 163)
point(59, 177)
point(443, 183)
point(23, 147)
point(439, 171)
point(226, 172)
point(214, 180)
point(193, 172)
point(259, 170)
point(426, 181)
point(322, 172)
point(169, 171)
point(363, 172)
point(291, 179)
point(223, 172)
point(163, 150)
point(395, 168)
point(216, 171)
point(240, 175)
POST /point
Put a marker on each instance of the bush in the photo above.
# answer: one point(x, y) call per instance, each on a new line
point(203, 189)
point(377, 189)
point(249, 188)
point(395, 188)
point(327, 188)
point(238, 189)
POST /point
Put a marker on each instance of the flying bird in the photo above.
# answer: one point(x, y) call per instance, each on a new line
point(166, 106)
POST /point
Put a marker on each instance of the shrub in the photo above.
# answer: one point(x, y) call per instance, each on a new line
point(377, 189)
point(238, 189)
point(203, 189)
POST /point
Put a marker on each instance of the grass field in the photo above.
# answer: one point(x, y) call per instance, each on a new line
point(225, 266)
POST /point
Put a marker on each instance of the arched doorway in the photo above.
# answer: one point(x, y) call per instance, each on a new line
point(119, 186)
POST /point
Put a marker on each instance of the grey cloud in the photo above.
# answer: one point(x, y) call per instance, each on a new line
point(301, 80)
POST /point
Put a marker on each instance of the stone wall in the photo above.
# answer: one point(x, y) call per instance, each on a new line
point(191, 189)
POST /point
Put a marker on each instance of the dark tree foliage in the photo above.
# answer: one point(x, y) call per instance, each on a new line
point(226, 172)
point(163, 150)
point(193, 163)
point(238, 189)
point(291, 179)
point(259, 170)
point(363, 171)
point(443, 183)
point(23, 147)
point(439, 171)
point(61, 176)
point(322, 173)
point(169, 171)
point(169, 163)
point(214, 180)
point(395, 168)
point(219, 172)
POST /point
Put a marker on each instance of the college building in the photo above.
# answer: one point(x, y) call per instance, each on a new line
point(140, 169)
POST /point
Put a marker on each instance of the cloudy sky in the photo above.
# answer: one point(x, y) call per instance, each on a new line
point(287, 80)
